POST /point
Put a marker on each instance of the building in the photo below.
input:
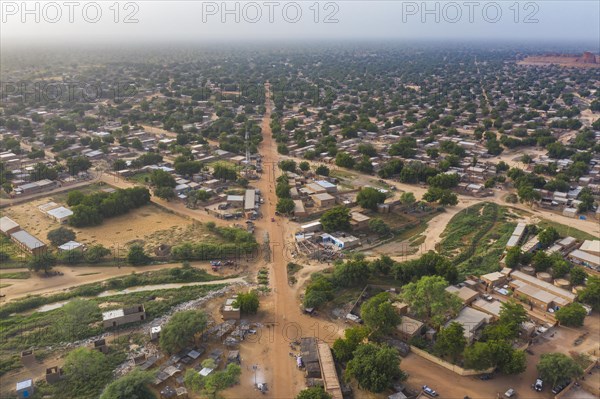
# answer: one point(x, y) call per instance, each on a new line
point(540, 293)
point(25, 389)
point(236, 200)
point(60, 214)
point(299, 210)
point(517, 236)
point(340, 240)
point(323, 200)
point(331, 381)
point(585, 258)
point(359, 220)
point(311, 227)
point(28, 243)
point(8, 226)
point(472, 321)
point(329, 187)
point(118, 317)
point(70, 246)
point(249, 200)
point(35, 187)
point(490, 307)
point(230, 311)
point(466, 294)
point(591, 247)
point(409, 328)
point(494, 279)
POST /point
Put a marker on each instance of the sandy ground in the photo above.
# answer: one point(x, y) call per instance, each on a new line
point(114, 233)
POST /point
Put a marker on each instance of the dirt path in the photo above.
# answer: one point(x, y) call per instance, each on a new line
point(73, 277)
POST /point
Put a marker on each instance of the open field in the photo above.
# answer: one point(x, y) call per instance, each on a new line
point(114, 233)
point(476, 237)
point(561, 60)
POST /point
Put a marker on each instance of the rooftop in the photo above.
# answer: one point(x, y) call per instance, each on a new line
point(27, 239)
point(7, 223)
point(60, 212)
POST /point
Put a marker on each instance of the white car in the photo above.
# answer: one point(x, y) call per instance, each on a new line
point(429, 391)
point(510, 393)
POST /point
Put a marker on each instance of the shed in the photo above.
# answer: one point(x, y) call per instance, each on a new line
point(25, 388)
point(60, 214)
point(8, 226)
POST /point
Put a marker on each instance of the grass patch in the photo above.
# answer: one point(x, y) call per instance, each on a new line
point(5, 285)
point(292, 269)
point(565, 231)
point(10, 249)
point(476, 237)
point(166, 276)
point(140, 178)
point(15, 275)
point(341, 174)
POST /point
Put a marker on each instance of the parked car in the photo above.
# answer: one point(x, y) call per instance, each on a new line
point(539, 385)
point(558, 389)
point(510, 393)
point(429, 391)
point(485, 377)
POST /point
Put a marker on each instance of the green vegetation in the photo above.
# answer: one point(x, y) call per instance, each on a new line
point(248, 302)
point(313, 393)
point(181, 330)
point(476, 237)
point(374, 367)
point(336, 219)
point(370, 198)
point(430, 301)
point(215, 382)
point(555, 368)
point(90, 210)
point(292, 269)
point(15, 275)
point(564, 230)
point(233, 242)
point(571, 315)
point(379, 315)
point(60, 236)
point(133, 385)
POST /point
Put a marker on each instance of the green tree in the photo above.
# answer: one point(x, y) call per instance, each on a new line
point(160, 178)
point(571, 315)
point(370, 198)
point(248, 302)
point(78, 164)
point(164, 192)
point(547, 236)
point(352, 272)
point(587, 200)
point(429, 299)
point(512, 314)
point(591, 293)
point(285, 206)
point(318, 291)
point(304, 166)
point(193, 381)
point(336, 219)
point(408, 199)
point(75, 198)
point(555, 368)
point(313, 393)
point(76, 318)
point(495, 353)
point(378, 226)
point(137, 256)
point(374, 367)
point(343, 348)
point(223, 171)
point(60, 235)
point(86, 372)
point(451, 341)
point(95, 253)
point(181, 330)
point(513, 257)
point(135, 385)
point(344, 160)
point(322, 170)
point(44, 261)
point(577, 276)
point(379, 315)
point(287, 165)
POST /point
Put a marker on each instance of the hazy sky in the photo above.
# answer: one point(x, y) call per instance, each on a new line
point(206, 21)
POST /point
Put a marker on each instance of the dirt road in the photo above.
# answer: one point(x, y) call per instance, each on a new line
point(73, 276)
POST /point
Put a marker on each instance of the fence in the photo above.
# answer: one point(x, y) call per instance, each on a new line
point(452, 367)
